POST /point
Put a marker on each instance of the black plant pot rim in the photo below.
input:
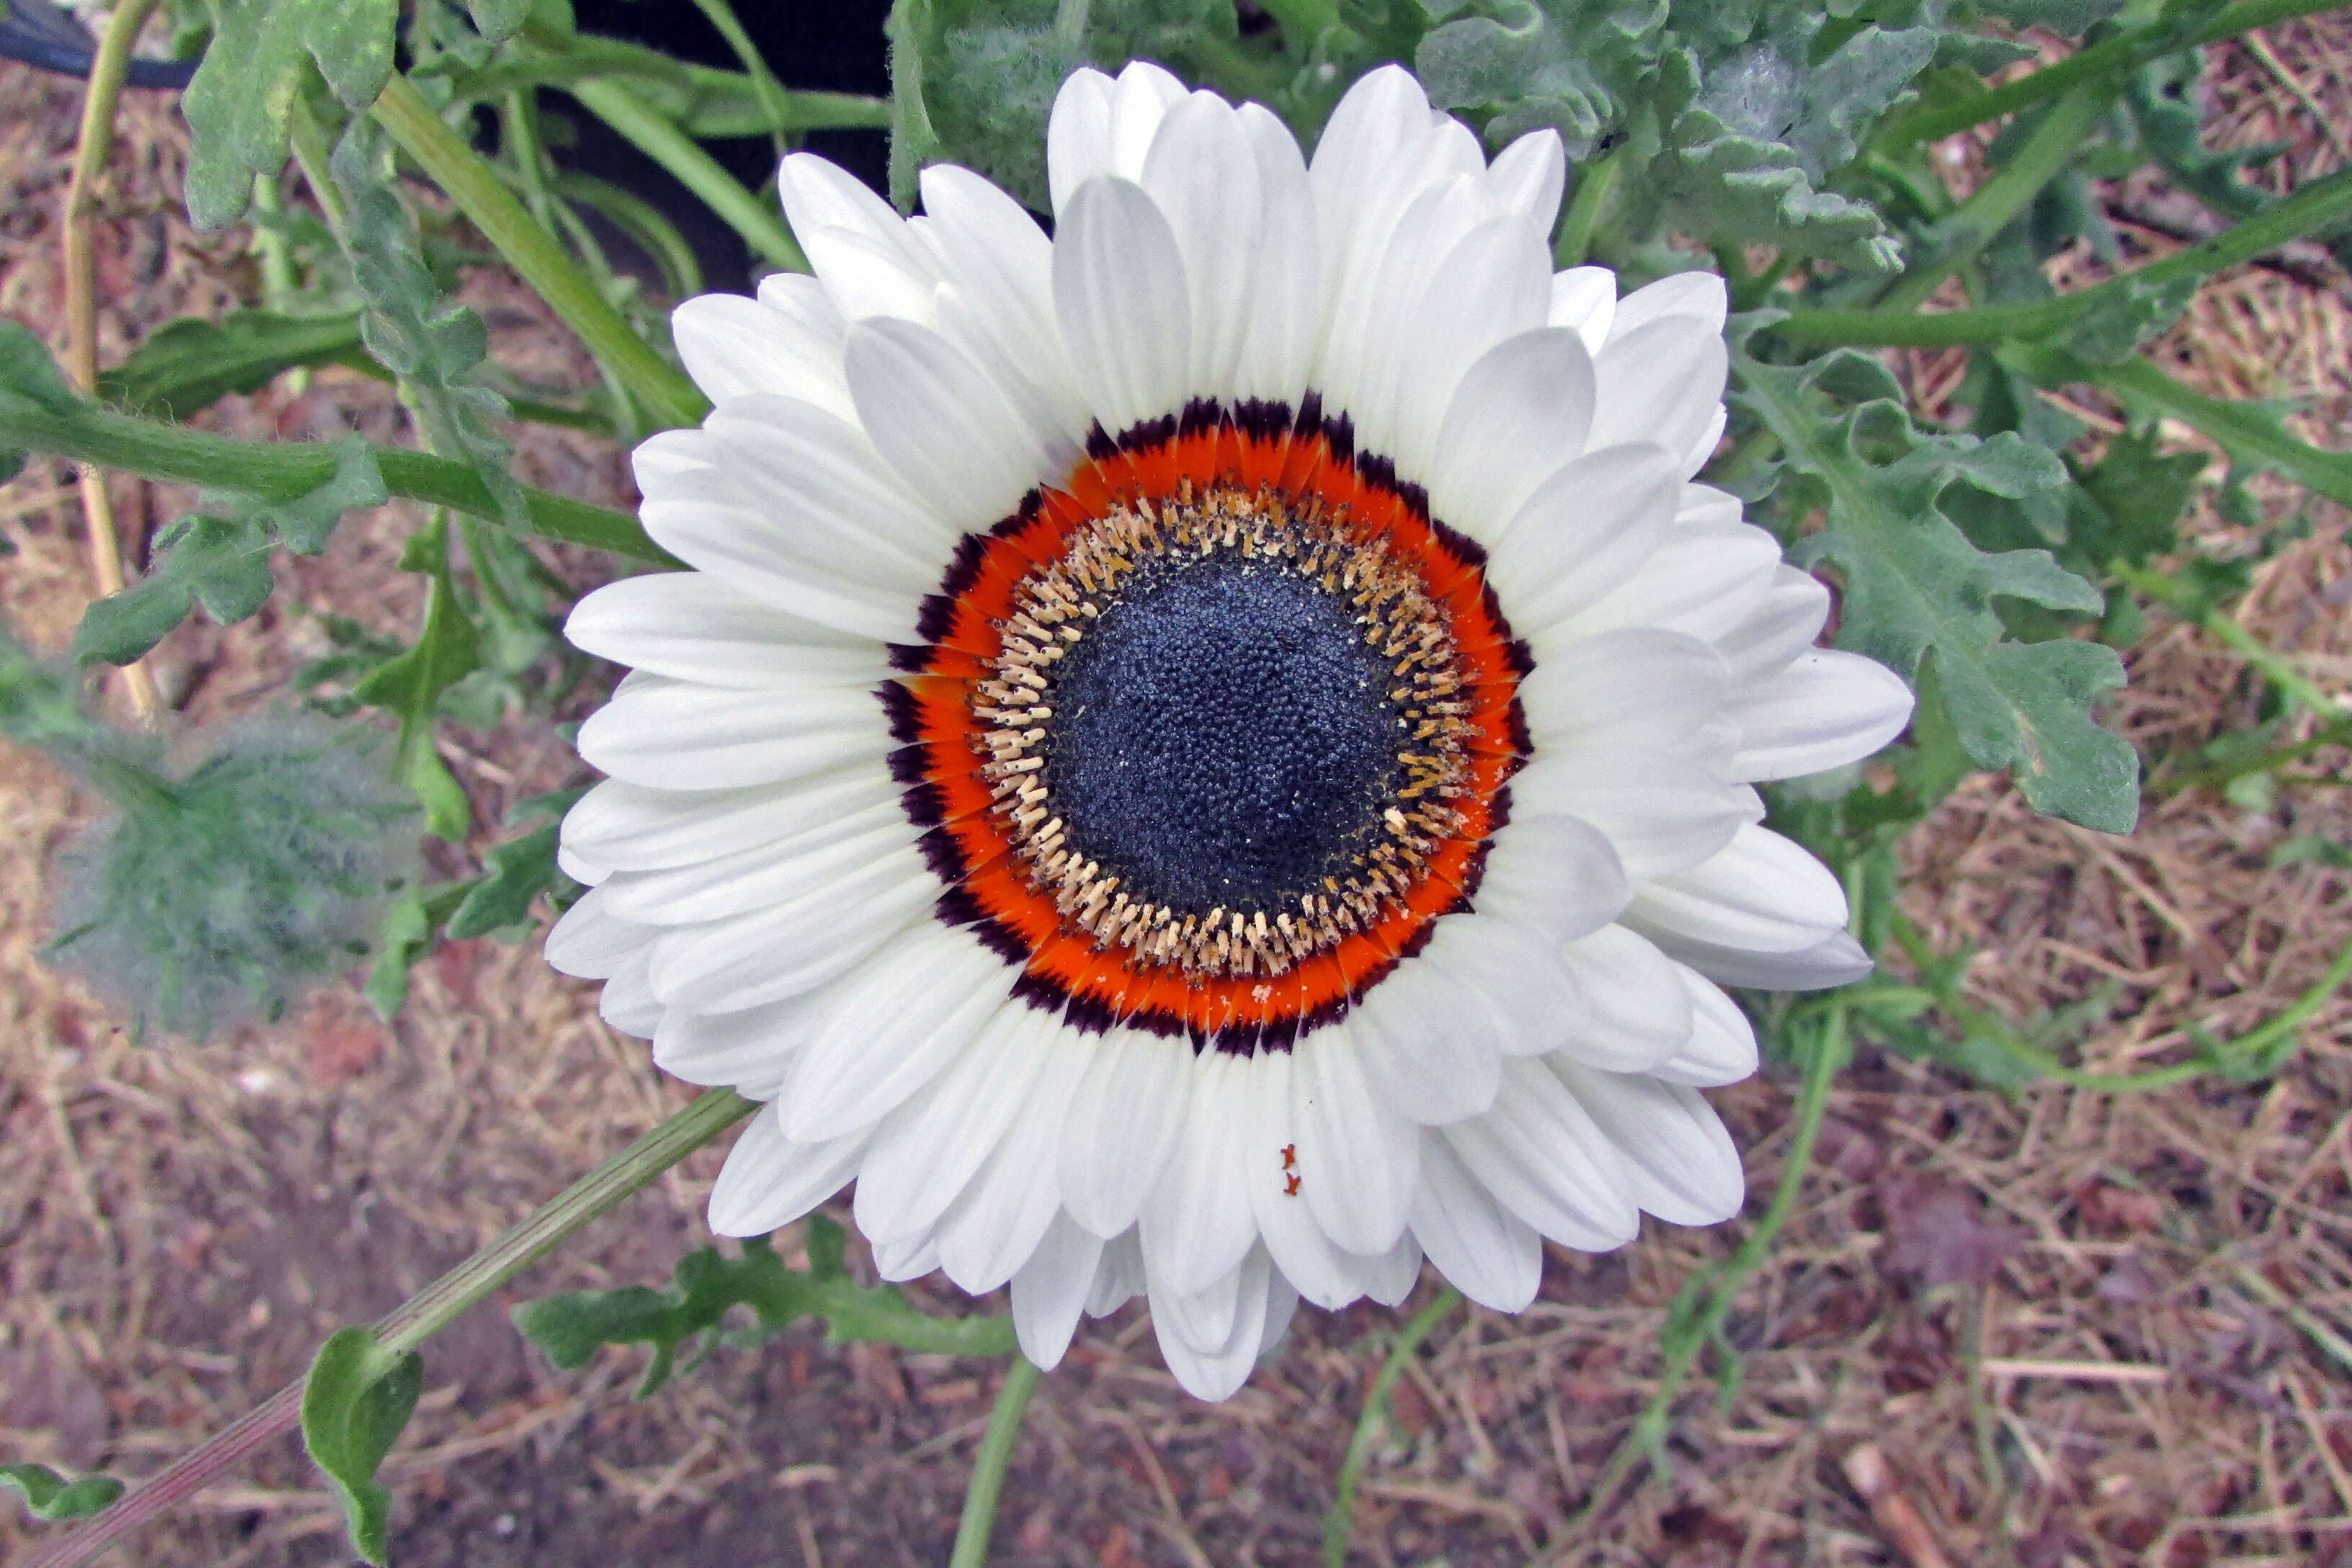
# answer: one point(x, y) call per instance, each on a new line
point(43, 37)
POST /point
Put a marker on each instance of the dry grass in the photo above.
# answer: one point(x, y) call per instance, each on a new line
point(2149, 1295)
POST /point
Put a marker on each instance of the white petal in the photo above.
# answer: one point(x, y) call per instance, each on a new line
point(1825, 710)
point(1637, 1010)
point(1295, 1239)
point(1214, 1367)
point(1485, 1251)
point(669, 734)
point(1121, 295)
point(1395, 252)
point(1429, 1047)
point(1201, 174)
point(1836, 960)
point(769, 1181)
point(1389, 1278)
point(1528, 177)
point(1699, 296)
point(1540, 1155)
point(1285, 288)
point(1050, 1289)
point(925, 1153)
point(1553, 873)
point(1518, 415)
point(1124, 1125)
point(905, 1258)
point(800, 866)
point(733, 347)
point(891, 1027)
point(1584, 298)
point(1004, 1214)
point(730, 1048)
point(1001, 293)
point(1778, 627)
point(1490, 287)
point(1119, 1278)
point(690, 626)
point(1680, 1164)
point(624, 827)
point(1585, 530)
point(947, 426)
point(1077, 135)
point(1704, 580)
point(1661, 381)
point(1722, 1046)
point(856, 244)
point(826, 488)
point(1197, 1220)
point(1763, 894)
point(627, 1002)
point(1624, 690)
point(1141, 97)
point(589, 942)
point(769, 954)
point(1516, 969)
point(1662, 811)
point(1357, 1159)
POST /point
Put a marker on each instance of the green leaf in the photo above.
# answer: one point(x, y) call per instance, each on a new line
point(404, 940)
point(241, 97)
point(514, 874)
point(52, 1498)
point(2136, 498)
point(498, 20)
point(446, 650)
point(431, 345)
point(220, 558)
point(569, 1328)
point(191, 365)
point(30, 373)
point(355, 1403)
point(1916, 586)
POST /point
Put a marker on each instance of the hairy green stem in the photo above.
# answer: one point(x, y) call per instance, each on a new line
point(1339, 1522)
point(666, 394)
point(1989, 209)
point(2321, 205)
point(1593, 187)
point(419, 1317)
point(2115, 58)
point(988, 1466)
point(1698, 1313)
point(659, 139)
point(162, 451)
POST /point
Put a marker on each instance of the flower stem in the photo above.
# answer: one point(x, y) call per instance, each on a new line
point(162, 451)
point(420, 1316)
point(665, 392)
point(108, 72)
point(1341, 1518)
point(2114, 58)
point(774, 102)
point(1585, 209)
point(659, 139)
point(988, 1466)
point(2320, 204)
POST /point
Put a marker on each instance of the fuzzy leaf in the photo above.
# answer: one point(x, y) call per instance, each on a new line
point(238, 103)
point(1916, 586)
point(431, 345)
point(193, 364)
point(355, 1403)
point(569, 1328)
point(2136, 498)
point(50, 1497)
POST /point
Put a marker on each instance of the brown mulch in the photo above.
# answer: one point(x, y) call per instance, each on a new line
point(2116, 1323)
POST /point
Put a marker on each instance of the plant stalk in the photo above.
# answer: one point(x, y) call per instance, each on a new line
point(988, 1466)
point(1339, 1522)
point(419, 1317)
point(1593, 188)
point(666, 394)
point(659, 139)
point(160, 451)
point(108, 72)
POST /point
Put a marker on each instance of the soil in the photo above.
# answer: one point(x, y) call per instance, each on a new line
point(2116, 1321)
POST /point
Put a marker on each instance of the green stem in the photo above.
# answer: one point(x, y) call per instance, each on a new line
point(1303, 21)
point(2115, 58)
point(2339, 733)
point(1593, 187)
point(2275, 667)
point(419, 1317)
point(1340, 1521)
point(773, 101)
point(1989, 209)
point(667, 395)
point(160, 451)
point(988, 1466)
point(1699, 1310)
point(312, 153)
point(660, 140)
point(519, 132)
point(2321, 205)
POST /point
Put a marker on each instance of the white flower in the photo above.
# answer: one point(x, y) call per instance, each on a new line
point(1210, 755)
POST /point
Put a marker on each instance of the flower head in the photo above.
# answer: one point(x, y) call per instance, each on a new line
point(1212, 754)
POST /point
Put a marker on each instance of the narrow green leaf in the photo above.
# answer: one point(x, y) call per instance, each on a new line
point(515, 873)
point(446, 650)
point(51, 1496)
point(193, 364)
point(355, 1403)
point(1915, 586)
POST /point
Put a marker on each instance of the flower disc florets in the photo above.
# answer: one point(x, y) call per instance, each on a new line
point(1210, 755)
